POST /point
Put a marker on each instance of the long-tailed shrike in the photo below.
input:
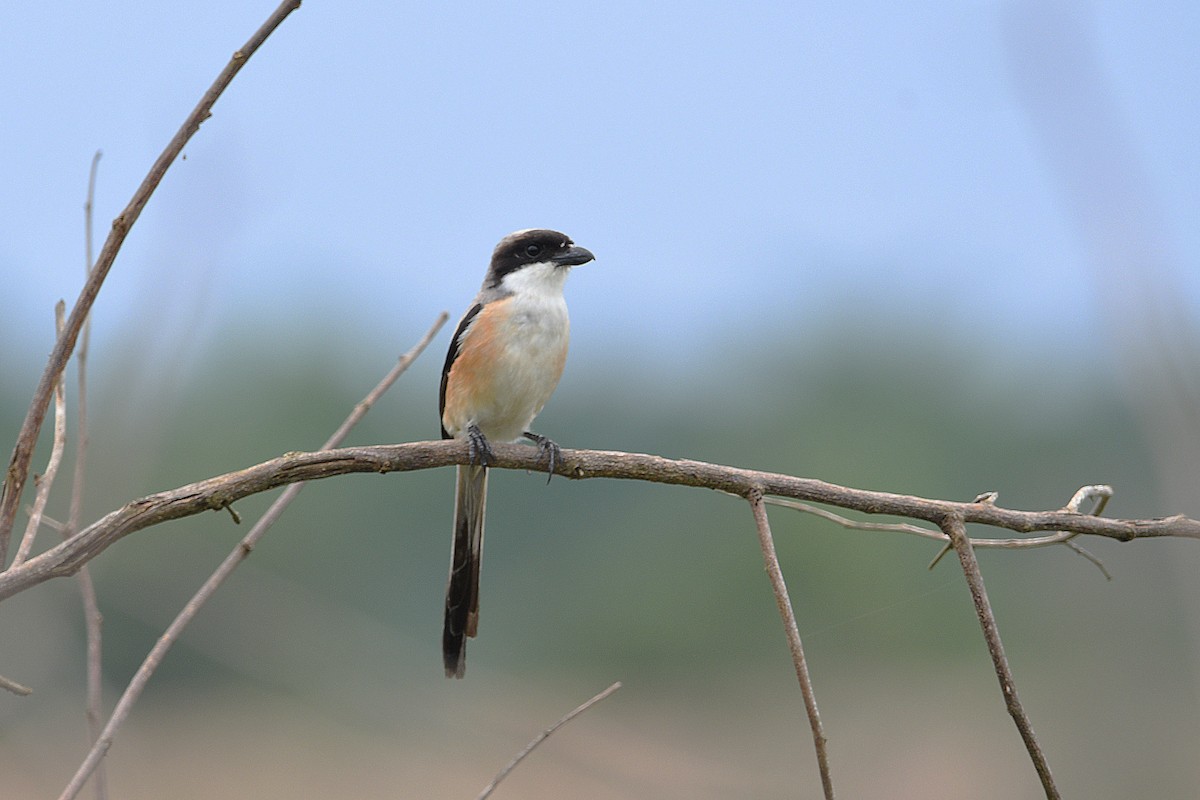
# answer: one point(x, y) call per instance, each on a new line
point(504, 362)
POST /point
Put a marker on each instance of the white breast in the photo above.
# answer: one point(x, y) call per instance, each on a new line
point(536, 335)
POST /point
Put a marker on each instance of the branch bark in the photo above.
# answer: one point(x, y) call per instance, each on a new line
point(221, 491)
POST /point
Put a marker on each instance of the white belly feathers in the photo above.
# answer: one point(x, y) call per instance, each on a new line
point(529, 366)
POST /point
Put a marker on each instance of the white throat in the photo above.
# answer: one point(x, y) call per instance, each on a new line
point(543, 281)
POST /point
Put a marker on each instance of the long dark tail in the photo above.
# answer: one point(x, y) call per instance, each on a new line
point(462, 590)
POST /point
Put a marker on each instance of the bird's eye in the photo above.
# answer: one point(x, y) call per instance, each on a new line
point(533, 250)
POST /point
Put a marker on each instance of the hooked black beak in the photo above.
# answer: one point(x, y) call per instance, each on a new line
point(573, 257)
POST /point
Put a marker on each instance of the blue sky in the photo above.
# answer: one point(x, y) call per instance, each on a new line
point(740, 170)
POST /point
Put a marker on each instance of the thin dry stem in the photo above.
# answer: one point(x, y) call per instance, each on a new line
point(541, 737)
point(93, 621)
point(9, 685)
point(46, 482)
point(1089, 556)
point(1059, 537)
point(792, 631)
point(956, 529)
point(150, 664)
point(81, 357)
point(18, 466)
point(854, 524)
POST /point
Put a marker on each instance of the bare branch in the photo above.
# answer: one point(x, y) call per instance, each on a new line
point(150, 664)
point(775, 573)
point(541, 737)
point(218, 492)
point(956, 529)
point(18, 467)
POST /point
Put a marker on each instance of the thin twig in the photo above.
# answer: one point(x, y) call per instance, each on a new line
point(45, 483)
point(9, 685)
point(854, 524)
point(956, 529)
point(93, 621)
point(81, 437)
point(1070, 545)
point(373, 396)
point(18, 466)
point(134, 690)
point(941, 553)
point(775, 573)
point(218, 492)
point(541, 737)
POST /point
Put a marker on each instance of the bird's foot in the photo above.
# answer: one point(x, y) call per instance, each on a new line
point(478, 450)
point(547, 449)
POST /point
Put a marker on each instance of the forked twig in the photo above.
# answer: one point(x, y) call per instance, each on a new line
point(1099, 491)
point(1059, 537)
point(134, 690)
point(541, 737)
point(767, 543)
point(956, 529)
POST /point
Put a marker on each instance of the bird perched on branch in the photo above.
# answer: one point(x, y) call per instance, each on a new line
point(504, 361)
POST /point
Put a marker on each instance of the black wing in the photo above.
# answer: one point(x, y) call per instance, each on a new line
point(451, 355)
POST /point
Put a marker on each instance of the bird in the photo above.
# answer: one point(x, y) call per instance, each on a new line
point(503, 364)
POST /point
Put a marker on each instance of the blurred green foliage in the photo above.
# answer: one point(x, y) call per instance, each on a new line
point(661, 586)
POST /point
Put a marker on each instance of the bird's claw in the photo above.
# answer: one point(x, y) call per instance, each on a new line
point(548, 450)
point(478, 450)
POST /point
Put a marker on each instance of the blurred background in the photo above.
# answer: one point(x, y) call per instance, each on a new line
point(937, 249)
